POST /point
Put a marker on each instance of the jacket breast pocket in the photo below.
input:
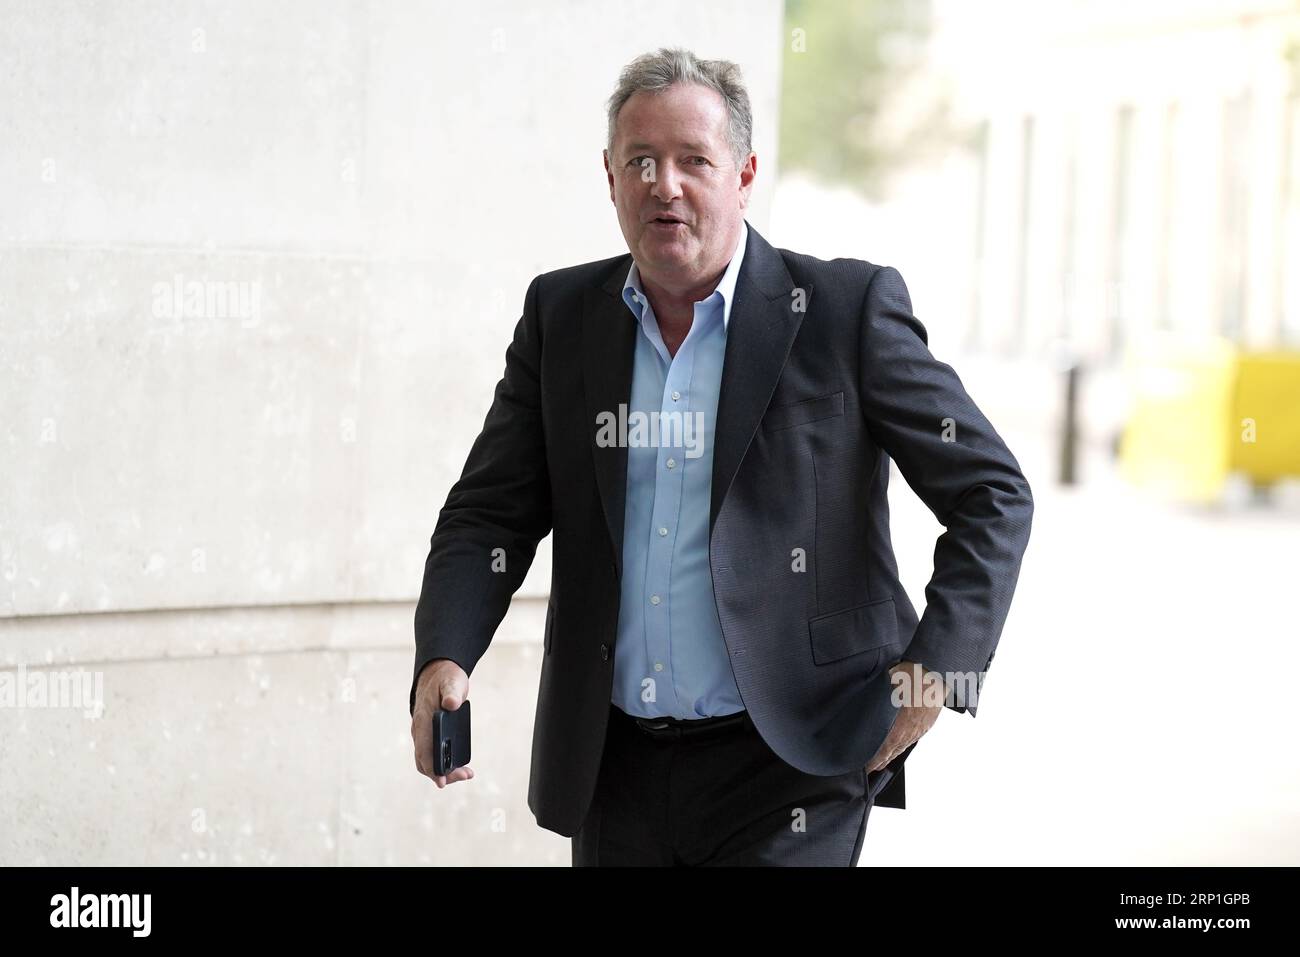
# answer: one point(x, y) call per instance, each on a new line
point(804, 411)
point(853, 631)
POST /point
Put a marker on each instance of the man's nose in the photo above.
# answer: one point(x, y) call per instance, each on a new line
point(666, 186)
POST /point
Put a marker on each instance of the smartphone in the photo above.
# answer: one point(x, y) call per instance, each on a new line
point(451, 739)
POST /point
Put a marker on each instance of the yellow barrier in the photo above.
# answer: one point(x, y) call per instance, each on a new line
point(1266, 415)
point(1202, 410)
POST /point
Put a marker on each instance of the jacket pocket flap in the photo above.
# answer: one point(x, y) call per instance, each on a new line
point(808, 410)
point(852, 631)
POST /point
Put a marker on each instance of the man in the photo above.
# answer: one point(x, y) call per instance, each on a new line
point(726, 621)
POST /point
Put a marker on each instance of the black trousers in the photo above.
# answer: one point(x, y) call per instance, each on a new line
point(712, 793)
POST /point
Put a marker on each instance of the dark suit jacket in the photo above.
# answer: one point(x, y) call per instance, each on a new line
point(826, 376)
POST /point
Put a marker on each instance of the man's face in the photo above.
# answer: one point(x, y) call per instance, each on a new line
point(672, 159)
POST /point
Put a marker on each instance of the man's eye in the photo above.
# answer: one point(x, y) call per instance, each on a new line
point(638, 161)
point(702, 160)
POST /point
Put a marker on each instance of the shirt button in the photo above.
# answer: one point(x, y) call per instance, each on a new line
point(671, 463)
point(654, 599)
point(659, 666)
point(663, 532)
point(676, 395)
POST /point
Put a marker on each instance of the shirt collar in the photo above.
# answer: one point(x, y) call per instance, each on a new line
point(726, 285)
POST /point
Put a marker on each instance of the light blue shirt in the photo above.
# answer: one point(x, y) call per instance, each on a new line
point(670, 658)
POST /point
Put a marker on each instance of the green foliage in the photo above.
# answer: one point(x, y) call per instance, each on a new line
point(856, 54)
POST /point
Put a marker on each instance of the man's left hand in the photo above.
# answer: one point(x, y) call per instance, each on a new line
point(913, 719)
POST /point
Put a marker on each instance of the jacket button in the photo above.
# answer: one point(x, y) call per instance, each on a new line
point(604, 652)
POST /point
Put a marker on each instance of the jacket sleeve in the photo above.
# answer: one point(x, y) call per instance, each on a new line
point(918, 412)
point(487, 533)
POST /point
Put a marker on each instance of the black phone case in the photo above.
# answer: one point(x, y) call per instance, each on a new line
point(451, 739)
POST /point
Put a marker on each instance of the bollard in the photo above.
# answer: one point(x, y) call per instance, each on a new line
point(1070, 424)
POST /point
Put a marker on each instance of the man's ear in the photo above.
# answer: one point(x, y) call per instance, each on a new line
point(609, 175)
point(748, 172)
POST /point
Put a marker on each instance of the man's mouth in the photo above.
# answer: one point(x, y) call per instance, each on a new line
point(667, 221)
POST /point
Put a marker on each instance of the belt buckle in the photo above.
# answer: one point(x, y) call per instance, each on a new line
point(655, 727)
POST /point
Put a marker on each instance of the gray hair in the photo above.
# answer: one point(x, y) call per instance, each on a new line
point(656, 72)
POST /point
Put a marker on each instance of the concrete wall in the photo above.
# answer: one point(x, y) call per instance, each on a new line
point(221, 506)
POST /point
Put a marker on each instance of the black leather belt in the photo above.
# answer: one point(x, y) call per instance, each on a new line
point(666, 728)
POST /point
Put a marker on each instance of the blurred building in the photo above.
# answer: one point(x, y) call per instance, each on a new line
point(1135, 166)
point(1098, 174)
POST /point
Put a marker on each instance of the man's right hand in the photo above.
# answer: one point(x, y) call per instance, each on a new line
point(442, 686)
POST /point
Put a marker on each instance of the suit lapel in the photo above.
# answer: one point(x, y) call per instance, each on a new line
point(608, 348)
point(760, 332)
